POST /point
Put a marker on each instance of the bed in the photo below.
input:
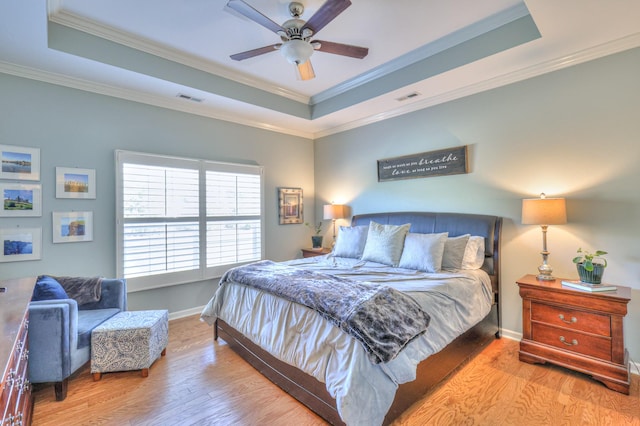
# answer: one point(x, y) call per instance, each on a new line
point(328, 370)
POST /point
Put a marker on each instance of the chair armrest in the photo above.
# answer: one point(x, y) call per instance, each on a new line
point(113, 294)
point(53, 326)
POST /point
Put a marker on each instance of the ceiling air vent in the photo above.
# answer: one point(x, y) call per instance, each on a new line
point(409, 96)
point(189, 98)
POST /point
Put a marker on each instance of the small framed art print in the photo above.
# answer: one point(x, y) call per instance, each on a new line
point(20, 244)
point(75, 183)
point(21, 200)
point(19, 163)
point(72, 227)
point(290, 202)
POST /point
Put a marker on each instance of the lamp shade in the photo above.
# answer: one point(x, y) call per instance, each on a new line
point(544, 211)
point(333, 211)
point(305, 71)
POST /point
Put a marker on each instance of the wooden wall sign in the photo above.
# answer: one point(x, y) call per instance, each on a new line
point(450, 161)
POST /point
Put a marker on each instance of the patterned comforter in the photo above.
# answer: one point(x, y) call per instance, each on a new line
point(382, 319)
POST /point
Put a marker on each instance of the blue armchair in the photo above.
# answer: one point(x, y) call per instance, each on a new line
point(60, 332)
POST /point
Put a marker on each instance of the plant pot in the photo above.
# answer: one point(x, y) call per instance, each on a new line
point(316, 241)
point(591, 277)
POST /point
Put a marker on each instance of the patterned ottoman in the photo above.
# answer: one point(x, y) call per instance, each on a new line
point(130, 340)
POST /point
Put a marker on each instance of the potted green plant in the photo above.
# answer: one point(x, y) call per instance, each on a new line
point(316, 239)
point(590, 265)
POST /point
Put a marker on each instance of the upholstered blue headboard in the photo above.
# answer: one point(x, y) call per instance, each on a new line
point(456, 224)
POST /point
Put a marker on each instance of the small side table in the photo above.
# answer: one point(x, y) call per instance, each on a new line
point(575, 329)
point(311, 252)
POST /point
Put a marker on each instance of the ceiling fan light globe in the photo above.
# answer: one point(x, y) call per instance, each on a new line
point(297, 51)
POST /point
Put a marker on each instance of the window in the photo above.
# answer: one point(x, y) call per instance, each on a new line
point(182, 220)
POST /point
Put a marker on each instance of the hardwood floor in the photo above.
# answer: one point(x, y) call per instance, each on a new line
point(204, 383)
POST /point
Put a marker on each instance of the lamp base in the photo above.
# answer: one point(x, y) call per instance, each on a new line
point(545, 269)
point(544, 277)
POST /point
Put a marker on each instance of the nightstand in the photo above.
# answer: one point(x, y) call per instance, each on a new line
point(575, 329)
point(310, 252)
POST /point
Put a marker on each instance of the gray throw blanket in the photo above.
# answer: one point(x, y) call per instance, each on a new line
point(382, 319)
point(82, 290)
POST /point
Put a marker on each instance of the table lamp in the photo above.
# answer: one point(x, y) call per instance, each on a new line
point(544, 211)
point(333, 212)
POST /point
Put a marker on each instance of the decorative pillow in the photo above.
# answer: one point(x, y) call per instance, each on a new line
point(474, 253)
point(48, 288)
point(423, 252)
point(454, 249)
point(384, 243)
point(350, 241)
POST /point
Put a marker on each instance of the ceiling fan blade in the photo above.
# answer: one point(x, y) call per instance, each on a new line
point(248, 11)
point(305, 71)
point(255, 52)
point(341, 49)
point(327, 12)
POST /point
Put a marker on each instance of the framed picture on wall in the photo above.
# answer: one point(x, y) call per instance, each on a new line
point(72, 227)
point(20, 244)
point(19, 163)
point(21, 200)
point(290, 202)
point(75, 183)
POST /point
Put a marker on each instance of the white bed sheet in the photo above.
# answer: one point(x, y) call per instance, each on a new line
point(456, 301)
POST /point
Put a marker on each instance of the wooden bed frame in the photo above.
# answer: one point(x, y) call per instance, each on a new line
point(432, 370)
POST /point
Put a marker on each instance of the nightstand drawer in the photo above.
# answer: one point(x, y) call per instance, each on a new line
point(311, 252)
point(595, 346)
point(572, 319)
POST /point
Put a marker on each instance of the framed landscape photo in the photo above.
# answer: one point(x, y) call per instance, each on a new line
point(290, 202)
point(75, 183)
point(21, 200)
point(72, 227)
point(19, 162)
point(20, 244)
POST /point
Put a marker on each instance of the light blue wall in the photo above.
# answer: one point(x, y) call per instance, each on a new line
point(79, 129)
point(572, 133)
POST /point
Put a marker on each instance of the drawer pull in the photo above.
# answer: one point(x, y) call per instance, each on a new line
point(573, 319)
point(574, 342)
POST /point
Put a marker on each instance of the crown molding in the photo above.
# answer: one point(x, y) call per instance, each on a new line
point(144, 98)
point(97, 29)
point(579, 57)
point(53, 6)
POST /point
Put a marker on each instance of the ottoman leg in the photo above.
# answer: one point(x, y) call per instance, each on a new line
point(164, 352)
point(97, 376)
point(145, 372)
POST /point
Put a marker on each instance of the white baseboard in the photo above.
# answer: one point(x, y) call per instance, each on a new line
point(634, 367)
point(510, 334)
point(185, 313)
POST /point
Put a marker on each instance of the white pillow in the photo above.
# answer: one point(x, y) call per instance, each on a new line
point(423, 252)
point(474, 253)
point(454, 249)
point(350, 241)
point(384, 243)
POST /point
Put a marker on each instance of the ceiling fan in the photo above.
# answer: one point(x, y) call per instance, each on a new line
point(297, 46)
